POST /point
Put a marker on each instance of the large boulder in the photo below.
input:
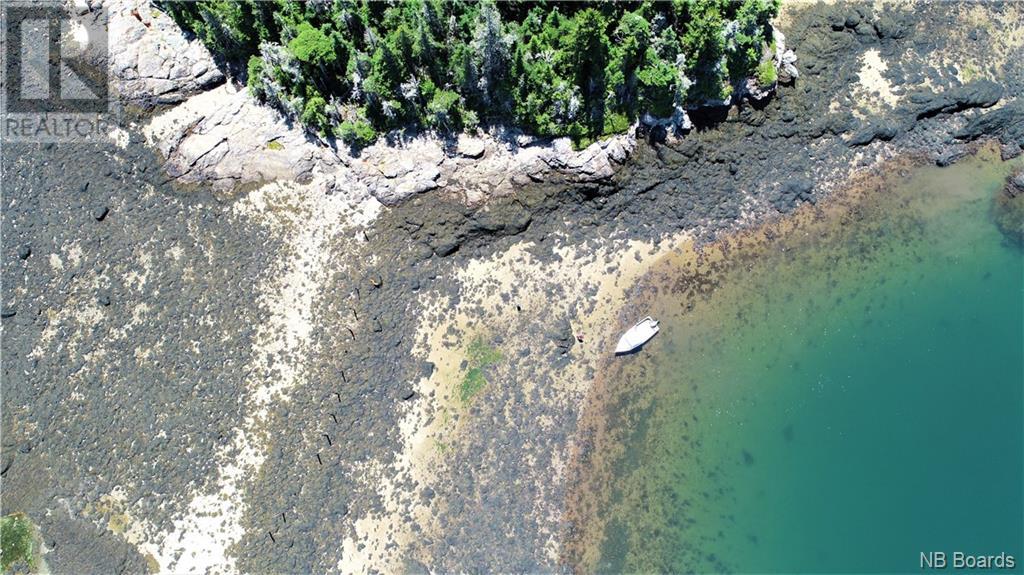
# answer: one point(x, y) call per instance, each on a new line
point(1006, 123)
point(678, 123)
point(594, 163)
point(977, 94)
point(753, 90)
point(785, 59)
point(891, 26)
point(470, 147)
point(416, 182)
point(883, 131)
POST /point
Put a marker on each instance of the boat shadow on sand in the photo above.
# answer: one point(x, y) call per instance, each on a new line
point(633, 351)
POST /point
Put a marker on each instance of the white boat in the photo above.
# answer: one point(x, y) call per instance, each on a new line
point(637, 335)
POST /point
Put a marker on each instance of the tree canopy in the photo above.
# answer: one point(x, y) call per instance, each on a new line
point(354, 68)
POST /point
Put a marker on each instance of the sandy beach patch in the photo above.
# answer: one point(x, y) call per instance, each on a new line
point(874, 91)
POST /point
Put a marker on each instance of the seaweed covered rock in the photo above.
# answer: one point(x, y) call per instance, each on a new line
point(1008, 208)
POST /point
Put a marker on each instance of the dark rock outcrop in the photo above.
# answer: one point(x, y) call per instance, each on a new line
point(792, 193)
point(873, 131)
point(1006, 123)
point(977, 94)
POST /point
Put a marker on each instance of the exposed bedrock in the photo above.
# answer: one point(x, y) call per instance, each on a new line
point(1006, 123)
point(150, 61)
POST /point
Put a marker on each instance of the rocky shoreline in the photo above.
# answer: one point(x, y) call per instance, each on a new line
point(275, 358)
point(205, 141)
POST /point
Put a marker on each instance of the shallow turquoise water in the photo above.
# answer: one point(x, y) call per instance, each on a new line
point(842, 406)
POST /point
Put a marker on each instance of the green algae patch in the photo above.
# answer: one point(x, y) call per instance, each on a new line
point(471, 384)
point(111, 509)
point(479, 356)
point(18, 542)
point(151, 563)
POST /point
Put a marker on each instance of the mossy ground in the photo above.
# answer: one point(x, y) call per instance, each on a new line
point(18, 545)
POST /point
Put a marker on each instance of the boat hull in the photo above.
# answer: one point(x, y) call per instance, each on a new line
point(636, 336)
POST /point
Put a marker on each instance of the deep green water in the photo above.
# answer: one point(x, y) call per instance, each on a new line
point(848, 400)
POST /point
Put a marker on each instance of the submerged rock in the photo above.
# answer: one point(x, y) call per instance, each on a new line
point(1015, 184)
point(1008, 209)
point(1010, 151)
point(949, 157)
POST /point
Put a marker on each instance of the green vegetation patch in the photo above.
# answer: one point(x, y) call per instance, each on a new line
point(766, 73)
point(473, 382)
point(971, 72)
point(358, 133)
point(482, 354)
point(275, 145)
point(479, 356)
point(17, 542)
point(583, 69)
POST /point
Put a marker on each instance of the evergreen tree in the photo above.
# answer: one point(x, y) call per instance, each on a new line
point(353, 68)
point(629, 52)
point(492, 57)
point(584, 58)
